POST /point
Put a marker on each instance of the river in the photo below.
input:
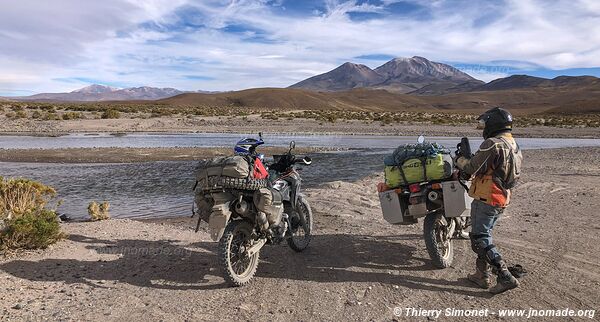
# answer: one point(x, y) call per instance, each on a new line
point(159, 189)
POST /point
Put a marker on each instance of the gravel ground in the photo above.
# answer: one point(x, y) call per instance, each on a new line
point(358, 267)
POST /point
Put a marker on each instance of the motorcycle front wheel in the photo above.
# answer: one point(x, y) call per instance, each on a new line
point(302, 226)
point(238, 268)
point(438, 241)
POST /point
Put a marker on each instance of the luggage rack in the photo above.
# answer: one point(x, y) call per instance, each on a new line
point(406, 188)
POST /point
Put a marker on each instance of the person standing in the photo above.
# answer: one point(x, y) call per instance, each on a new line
point(495, 169)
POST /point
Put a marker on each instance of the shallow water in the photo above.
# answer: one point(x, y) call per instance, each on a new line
point(227, 139)
point(161, 189)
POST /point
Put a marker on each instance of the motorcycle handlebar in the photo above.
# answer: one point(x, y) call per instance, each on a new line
point(305, 160)
point(463, 149)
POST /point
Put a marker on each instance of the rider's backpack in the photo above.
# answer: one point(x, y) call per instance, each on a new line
point(231, 166)
point(513, 171)
point(231, 172)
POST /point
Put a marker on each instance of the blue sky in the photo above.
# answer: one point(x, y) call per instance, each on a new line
point(62, 45)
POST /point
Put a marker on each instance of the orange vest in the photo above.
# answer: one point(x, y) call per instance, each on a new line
point(484, 188)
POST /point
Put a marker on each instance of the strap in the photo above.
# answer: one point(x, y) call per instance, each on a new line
point(501, 181)
point(402, 174)
point(490, 246)
point(477, 236)
point(507, 144)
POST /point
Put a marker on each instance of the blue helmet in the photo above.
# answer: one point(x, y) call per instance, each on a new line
point(247, 146)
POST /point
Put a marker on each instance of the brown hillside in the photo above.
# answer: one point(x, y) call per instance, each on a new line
point(258, 97)
point(292, 99)
point(561, 99)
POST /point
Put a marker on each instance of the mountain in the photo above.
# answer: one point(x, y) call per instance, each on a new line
point(345, 77)
point(512, 82)
point(400, 75)
point(418, 72)
point(97, 92)
point(95, 89)
point(527, 82)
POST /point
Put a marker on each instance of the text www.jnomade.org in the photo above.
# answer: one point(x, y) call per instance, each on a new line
point(504, 313)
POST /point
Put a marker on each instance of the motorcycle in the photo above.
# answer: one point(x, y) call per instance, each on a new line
point(246, 230)
point(444, 205)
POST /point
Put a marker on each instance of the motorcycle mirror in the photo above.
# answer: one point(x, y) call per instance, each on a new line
point(307, 160)
point(421, 139)
point(292, 145)
point(260, 135)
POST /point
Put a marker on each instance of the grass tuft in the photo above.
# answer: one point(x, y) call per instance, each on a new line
point(98, 211)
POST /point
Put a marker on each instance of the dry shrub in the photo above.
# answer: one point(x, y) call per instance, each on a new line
point(111, 114)
point(19, 196)
point(24, 221)
point(72, 116)
point(98, 211)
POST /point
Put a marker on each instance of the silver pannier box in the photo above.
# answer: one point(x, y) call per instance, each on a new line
point(457, 202)
point(393, 210)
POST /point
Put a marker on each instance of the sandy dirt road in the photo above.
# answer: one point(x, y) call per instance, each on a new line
point(357, 267)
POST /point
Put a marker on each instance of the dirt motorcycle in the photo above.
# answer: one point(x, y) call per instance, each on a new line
point(246, 230)
point(444, 205)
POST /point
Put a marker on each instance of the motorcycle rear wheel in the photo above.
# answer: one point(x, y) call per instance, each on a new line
point(238, 268)
point(437, 240)
point(302, 233)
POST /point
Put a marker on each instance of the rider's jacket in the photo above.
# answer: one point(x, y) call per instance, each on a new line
point(490, 168)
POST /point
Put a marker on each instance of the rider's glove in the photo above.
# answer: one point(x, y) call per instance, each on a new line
point(461, 162)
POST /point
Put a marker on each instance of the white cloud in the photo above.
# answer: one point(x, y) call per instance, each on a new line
point(111, 40)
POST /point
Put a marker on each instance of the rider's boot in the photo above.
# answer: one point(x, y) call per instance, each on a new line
point(482, 276)
point(505, 280)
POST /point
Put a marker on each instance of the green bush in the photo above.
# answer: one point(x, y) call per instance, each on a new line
point(32, 230)
point(111, 114)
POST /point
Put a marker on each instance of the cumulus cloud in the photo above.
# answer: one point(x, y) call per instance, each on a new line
point(234, 44)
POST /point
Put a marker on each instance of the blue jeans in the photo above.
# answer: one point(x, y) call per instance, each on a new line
point(483, 220)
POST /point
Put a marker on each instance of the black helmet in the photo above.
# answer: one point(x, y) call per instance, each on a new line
point(495, 121)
